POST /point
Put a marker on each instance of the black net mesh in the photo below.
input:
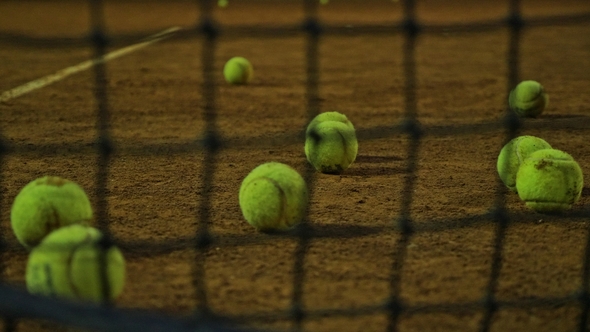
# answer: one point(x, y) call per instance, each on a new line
point(16, 305)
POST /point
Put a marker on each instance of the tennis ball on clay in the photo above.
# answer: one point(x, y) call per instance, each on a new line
point(549, 181)
point(67, 264)
point(514, 153)
point(46, 204)
point(331, 145)
point(273, 196)
point(238, 70)
point(329, 116)
point(528, 99)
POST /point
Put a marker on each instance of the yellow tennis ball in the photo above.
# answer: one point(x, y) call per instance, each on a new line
point(46, 204)
point(528, 99)
point(273, 196)
point(329, 116)
point(222, 3)
point(549, 180)
point(513, 154)
point(67, 264)
point(331, 145)
point(238, 70)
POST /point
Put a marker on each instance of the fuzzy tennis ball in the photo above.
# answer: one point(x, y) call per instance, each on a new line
point(330, 143)
point(514, 153)
point(238, 70)
point(549, 181)
point(273, 196)
point(329, 116)
point(528, 99)
point(46, 204)
point(222, 3)
point(67, 264)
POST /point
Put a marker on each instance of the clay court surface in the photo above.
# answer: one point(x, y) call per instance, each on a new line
point(154, 97)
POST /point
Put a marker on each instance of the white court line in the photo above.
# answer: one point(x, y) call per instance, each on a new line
point(61, 74)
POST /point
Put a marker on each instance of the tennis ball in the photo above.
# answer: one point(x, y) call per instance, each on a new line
point(273, 196)
point(46, 204)
point(238, 70)
point(330, 143)
point(67, 264)
point(514, 153)
point(549, 181)
point(329, 116)
point(222, 3)
point(528, 99)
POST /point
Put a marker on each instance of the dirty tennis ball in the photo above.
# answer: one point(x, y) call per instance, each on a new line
point(513, 154)
point(67, 264)
point(273, 196)
point(549, 181)
point(528, 99)
point(331, 145)
point(329, 116)
point(238, 70)
point(46, 204)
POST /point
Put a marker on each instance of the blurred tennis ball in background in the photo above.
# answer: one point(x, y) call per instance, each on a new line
point(549, 180)
point(273, 196)
point(238, 70)
point(528, 99)
point(67, 264)
point(513, 154)
point(331, 145)
point(222, 3)
point(324, 2)
point(46, 204)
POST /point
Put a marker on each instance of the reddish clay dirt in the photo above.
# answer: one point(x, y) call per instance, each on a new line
point(154, 96)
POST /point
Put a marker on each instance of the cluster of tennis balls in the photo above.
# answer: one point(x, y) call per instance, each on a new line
point(546, 179)
point(274, 196)
point(51, 217)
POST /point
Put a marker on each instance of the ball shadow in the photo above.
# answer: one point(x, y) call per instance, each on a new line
point(373, 171)
point(339, 231)
point(376, 159)
point(560, 116)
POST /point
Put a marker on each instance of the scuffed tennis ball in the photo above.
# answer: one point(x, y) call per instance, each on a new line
point(67, 264)
point(514, 153)
point(273, 197)
point(329, 116)
point(238, 70)
point(528, 99)
point(549, 180)
point(46, 204)
point(331, 145)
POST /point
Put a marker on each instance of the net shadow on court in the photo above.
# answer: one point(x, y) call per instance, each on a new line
point(16, 305)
